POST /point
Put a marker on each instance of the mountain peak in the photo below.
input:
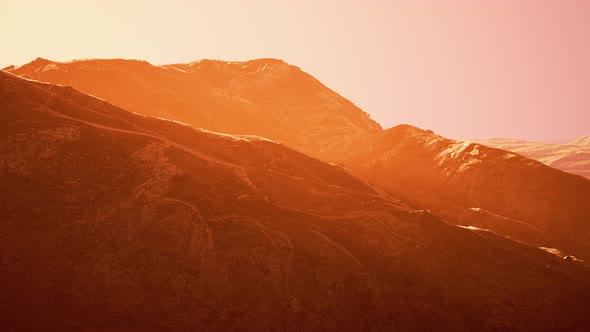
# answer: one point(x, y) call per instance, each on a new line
point(41, 60)
point(409, 130)
point(255, 65)
point(36, 63)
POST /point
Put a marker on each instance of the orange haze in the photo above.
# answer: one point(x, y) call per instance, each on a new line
point(463, 68)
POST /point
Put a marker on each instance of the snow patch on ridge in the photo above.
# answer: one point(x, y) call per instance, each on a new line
point(453, 150)
point(473, 228)
point(560, 254)
point(509, 156)
point(553, 251)
point(180, 70)
point(247, 138)
point(263, 67)
point(49, 67)
point(458, 151)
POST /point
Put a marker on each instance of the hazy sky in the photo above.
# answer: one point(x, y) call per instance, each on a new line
point(463, 68)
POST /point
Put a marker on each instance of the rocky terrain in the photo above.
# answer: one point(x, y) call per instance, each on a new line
point(528, 200)
point(116, 220)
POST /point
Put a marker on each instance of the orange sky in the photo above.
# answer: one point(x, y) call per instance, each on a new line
point(463, 68)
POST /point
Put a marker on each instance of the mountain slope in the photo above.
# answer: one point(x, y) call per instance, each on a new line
point(441, 174)
point(260, 97)
point(270, 98)
point(573, 157)
point(111, 219)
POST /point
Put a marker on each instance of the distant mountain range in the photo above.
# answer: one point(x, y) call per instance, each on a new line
point(572, 157)
point(119, 219)
point(581, 141)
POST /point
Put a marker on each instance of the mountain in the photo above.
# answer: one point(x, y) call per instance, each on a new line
point(261, 97)
point(581, 141)
point(270, 98)
point(573, 157)
point(444, 175)
point(111, 220)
